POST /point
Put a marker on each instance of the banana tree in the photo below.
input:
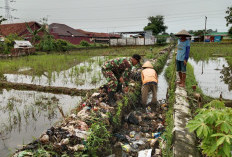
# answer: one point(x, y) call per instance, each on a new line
point(35, 36)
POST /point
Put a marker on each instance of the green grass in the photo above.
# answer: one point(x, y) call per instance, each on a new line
point(201, 51)
point(170, 75)
point(43, 62)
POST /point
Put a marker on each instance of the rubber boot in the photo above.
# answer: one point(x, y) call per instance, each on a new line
point(183, 80)
point(119, 88)
point(111, 98)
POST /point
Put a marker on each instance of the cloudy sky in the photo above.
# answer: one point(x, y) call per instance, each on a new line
point(123, 15)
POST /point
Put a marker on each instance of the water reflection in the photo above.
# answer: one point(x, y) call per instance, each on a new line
point(209, 77)
point(26, 114)
point(86, 75)
point(227, 76)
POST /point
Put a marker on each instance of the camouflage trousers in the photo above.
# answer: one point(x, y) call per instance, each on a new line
point(113, 82)
point(145, 90)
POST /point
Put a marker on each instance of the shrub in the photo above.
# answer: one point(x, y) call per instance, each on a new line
point(84, 43)
point(213, 124)
point(8, 43)
point(47, 43)
point(161, 40)
point(62, 45)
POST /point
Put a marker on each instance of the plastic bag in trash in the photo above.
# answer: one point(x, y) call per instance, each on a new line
point(132, 119)
point(145, 153)
point(23, 154)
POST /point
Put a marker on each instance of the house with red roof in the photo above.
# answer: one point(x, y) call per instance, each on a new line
point(103, 38)
point(62, 31)
point(20, 29)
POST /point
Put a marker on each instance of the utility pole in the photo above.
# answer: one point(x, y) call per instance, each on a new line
point(205, 27)
point(8, 10)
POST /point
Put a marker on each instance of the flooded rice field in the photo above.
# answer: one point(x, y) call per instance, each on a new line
point(211, 77)
point(24, 115)
point(86, 75)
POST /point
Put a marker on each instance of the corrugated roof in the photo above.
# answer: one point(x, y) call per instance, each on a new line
point(64, 30)
point(98, 35)
point(22, 43)
point(15, 28)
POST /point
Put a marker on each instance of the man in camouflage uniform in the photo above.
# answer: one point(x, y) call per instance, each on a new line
point(117, 72)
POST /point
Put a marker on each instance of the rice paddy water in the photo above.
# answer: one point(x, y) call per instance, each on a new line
point(24, 115)
point(209, 77)
point(86, 75)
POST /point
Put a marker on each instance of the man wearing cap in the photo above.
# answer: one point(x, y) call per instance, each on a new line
point(183, 49)
point(149, 81)
point(117, 72)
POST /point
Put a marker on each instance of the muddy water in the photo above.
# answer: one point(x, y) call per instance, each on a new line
point(24, 115)
point(86, 75)
point(210, 79)
point(162, 84)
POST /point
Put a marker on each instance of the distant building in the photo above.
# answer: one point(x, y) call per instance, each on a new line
point(20, 29)
point(62, 31)
point(135, 38)
point(99, 37)
point(217, 36)
point(22, 47)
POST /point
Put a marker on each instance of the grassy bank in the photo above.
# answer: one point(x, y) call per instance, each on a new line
point(170, 75)
point(190, 81)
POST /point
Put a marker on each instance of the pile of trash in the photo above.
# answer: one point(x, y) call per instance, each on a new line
point(141, 133)
point(71, 134)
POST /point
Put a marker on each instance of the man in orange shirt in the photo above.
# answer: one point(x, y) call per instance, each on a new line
point(149, 81)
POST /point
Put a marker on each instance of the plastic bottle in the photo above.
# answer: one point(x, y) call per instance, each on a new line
point(156, 135)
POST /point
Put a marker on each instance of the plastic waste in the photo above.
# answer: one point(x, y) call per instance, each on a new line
point(126, 147)
point(156, 135)
point(64, 141)
point(81, 134)
point(145, 153)
point(148, 109)
point(160, 127)
point(157, 151)
point(121, 137)
point(44, 138)
point(77, 147)
point(132, 119)
point(95, 94)
point(23, 154)
point(136, 144)
point(132, 134)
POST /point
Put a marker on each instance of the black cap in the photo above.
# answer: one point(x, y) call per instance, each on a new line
point(137, 57)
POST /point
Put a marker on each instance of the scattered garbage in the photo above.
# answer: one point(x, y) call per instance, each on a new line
point(156, 135)
point(130, 118)
point(145, 153)
point(139, 135)
point(127, 148)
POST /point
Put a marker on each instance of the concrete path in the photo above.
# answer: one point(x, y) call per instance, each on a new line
point(184, 143)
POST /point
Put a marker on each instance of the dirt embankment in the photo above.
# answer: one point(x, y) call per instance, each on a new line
point(49, 89)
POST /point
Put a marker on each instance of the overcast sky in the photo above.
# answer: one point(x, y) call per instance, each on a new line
point(123, 15)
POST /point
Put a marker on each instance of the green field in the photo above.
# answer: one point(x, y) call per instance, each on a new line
point(43, 62)
point(201, 51)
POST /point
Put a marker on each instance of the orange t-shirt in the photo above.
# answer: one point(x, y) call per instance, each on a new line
point(149, 75)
